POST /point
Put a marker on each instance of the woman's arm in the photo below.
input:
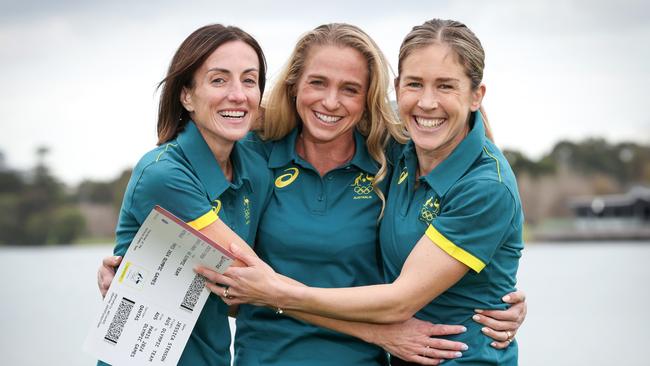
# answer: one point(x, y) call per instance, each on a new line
point(394, 337)
point(411, 340)
point(418, 283)
point(435, 263)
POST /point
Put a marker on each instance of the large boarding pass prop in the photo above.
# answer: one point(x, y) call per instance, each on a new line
point(156, 297)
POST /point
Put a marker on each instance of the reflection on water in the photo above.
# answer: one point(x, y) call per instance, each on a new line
point(587, 304)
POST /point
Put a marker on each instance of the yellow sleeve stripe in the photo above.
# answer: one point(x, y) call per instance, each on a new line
point(453, 250)
point(204, 220)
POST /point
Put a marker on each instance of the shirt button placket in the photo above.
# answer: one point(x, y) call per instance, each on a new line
point(322, 197)
point(231, 214)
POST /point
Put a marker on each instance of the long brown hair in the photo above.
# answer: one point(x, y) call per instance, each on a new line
point(195, 49)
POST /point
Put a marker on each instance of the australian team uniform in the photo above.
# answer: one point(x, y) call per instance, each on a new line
point(468, 206)
point(321, 231)
point(183, 177)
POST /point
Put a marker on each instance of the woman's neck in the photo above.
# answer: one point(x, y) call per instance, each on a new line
point(221, 150)
point(326, 156)
point(430, 159)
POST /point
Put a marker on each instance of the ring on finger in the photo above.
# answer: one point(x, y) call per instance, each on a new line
point(225, 293)
point(510, 336)
point(426, 351)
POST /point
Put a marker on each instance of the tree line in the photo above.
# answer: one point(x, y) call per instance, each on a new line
point(38, 209)
point(591, 167)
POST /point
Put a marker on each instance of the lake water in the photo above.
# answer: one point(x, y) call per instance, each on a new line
point(587, 304)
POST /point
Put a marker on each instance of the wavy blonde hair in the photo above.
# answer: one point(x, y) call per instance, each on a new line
point(462, 41)
point(281, 116)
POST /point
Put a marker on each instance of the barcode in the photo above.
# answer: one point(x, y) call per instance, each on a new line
point(192, 294)
point(120, 318)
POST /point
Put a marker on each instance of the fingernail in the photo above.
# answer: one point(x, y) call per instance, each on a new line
point(465, 347)
point(476, 317)
point(464, 329)
point(478, 311)
point(458, 354)
point(506, 298)
point(485, 330)
point(493, 344)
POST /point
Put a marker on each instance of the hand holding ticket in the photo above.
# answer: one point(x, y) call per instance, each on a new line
point(156, 297)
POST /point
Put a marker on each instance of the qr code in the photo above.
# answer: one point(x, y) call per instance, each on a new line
point(120, 318)
point(193, 293)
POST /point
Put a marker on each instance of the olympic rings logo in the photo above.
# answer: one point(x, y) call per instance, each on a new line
point(287, 178)
point(430, 210)
point(363, 185)
point(362, 189)
point(426, 215)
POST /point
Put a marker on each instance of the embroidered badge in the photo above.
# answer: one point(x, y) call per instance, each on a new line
point(402, 176)
point(247, 210)
point(430, 210)
point(287, 178)
point(363, 186)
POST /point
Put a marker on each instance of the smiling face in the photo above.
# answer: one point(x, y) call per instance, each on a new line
point(435, 99)
point(225, 96)
point(331, 93)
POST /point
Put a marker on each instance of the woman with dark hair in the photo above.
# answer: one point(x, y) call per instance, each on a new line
point(199, 172)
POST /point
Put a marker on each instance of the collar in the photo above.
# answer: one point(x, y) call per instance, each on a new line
point(205, 165)
point(284, 152)
point(442, 177)
point(448, 172)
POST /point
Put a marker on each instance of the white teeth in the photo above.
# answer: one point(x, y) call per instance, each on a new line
point(326, 118)
point(429, 122)
point(232, 114)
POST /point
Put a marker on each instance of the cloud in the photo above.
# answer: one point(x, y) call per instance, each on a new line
point(80, 76)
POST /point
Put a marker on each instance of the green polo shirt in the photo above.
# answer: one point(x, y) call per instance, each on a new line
point(183, 177)
point(321, 231)
point(469, 206)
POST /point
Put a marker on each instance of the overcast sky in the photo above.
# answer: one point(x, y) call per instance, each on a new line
point(80, 76)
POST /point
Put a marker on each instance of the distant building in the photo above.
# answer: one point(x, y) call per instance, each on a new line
point(633, 205)
point(614, 216)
